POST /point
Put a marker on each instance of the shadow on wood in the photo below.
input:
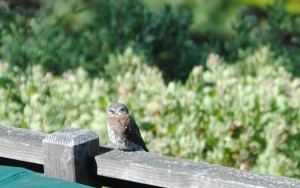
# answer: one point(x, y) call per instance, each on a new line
point(16, 163)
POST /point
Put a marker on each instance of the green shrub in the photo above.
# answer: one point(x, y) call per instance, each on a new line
point(42, 102)
point(216, 17)
point(244, 115)
point(64, 35)
point(85, 33)
point(281, 31)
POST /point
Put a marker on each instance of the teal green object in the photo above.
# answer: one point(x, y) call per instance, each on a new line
point(13, 177)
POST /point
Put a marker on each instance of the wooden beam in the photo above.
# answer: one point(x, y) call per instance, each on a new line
point(21, 144)
point(71, 154)
point(67, 155)
point(157, 170)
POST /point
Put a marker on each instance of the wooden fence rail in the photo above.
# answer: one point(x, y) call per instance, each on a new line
point(75, 155)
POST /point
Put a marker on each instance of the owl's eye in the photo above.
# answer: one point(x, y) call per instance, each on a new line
point(111, 111)
point(123, 110)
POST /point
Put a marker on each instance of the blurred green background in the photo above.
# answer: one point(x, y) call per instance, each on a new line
point(215, 81)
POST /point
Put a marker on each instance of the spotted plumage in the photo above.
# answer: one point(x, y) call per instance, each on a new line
point(123, 130)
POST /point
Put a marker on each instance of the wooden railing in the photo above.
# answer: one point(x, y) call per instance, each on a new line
point(75, 155)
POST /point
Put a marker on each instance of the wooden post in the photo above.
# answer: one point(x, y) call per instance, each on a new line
point(67, 153)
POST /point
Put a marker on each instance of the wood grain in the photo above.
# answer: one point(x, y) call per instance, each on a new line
point(67, 154)
point(70, 154)
point(157, 170)
point(21, 144)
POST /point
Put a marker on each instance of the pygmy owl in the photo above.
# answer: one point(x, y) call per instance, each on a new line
point(123, 130)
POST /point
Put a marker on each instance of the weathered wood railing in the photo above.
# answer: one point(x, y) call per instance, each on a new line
point(75, 155)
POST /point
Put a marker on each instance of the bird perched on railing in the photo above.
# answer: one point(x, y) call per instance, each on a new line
point(123, 130)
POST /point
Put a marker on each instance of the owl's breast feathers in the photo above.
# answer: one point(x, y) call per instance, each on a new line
point(132, 132)
point(117, 127)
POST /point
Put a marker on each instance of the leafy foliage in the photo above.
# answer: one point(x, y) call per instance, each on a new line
point(281, 32)
point(84, 33)
point(63, 62)
point(243, 115)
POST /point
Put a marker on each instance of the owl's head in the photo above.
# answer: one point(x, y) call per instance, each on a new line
point(117, 109)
